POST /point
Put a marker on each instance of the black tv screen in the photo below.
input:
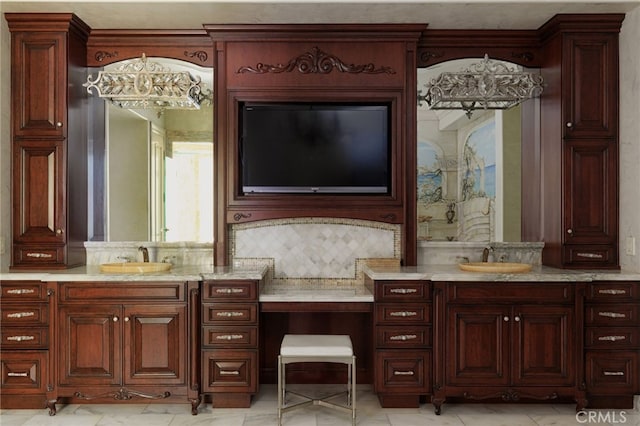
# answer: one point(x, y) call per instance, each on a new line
point(315, 148)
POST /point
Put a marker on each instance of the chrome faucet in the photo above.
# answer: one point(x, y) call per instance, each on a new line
point(145, 253)
point(485, 253)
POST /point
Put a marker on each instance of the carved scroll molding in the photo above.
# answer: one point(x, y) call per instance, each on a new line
point(101, 55)
point(201, 55)
point(316, 62)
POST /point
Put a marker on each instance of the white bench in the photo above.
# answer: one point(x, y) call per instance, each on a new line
point(317, 348)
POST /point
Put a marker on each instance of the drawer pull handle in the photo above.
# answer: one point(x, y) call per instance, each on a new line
point(612, 291)
point(21, 291)
point(403, 373)
point(403, 290)
point(613, 373)
point(20, 338)
point(229, 290)
point(229, 314)
point(229, 337)
point(403, 337)
point(21, 315)
point(39, 255)
point(403, 314)
point(612, 338)
point(229, 373)
point(590, 255)
point(18, 374)
point(612, 314)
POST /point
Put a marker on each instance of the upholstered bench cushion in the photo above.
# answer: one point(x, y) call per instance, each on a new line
point(316, 345)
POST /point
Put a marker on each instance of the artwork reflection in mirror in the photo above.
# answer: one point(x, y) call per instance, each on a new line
point(469, 170)
point(153, 170)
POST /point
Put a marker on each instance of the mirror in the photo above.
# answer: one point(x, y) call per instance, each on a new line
point(469, 168)
point(152, 169)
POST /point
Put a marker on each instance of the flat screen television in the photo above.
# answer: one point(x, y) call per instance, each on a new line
point(340, 148)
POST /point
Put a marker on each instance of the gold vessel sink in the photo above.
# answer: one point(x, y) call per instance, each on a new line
point(135, 267)
point(495, 267)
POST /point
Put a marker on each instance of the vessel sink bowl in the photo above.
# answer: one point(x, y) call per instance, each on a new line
point(496, 267)
point(135, 267)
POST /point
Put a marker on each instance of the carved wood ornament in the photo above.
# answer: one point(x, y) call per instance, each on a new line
point(315, 62)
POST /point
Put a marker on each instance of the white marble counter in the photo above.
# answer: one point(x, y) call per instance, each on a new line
point(316, 294)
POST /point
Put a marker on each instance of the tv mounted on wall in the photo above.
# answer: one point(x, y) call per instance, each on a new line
point(340, 148)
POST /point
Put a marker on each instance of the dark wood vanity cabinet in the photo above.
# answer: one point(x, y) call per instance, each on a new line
point(25, 333)
point(230, 314)
point(49, 138)
point(612, 343)
point(579, 143)
point(402, 341)
point(119, 341)
point(507, 341)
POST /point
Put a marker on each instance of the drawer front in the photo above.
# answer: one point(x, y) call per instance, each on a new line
point(230, 313)
point(391, 291)
point(25, 337)
point(23, 372)
point(143, 291)
point(613, 291)
point(23, 291)
point(612, 372)
point(230, 290)
point(403, 313)
point(512, 292)
point(403, 337)
point(230, 371)
point(403, 371)
point(25, 314)
point(40, 256)
point(229, 337)
point(612, 337)
point(618, 314)
point(589, 256)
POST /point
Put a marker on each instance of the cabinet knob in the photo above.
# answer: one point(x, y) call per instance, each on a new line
point(126, 319)
point(115, 319)
point(569, 231)
point(506, 319)
point(569, 125)
point(517, 319)
point(59, 231)
point(59, 124)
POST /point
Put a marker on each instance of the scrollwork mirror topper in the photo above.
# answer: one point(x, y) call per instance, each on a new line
point(316, 61)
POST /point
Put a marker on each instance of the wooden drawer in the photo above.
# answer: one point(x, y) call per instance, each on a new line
point(403, 313)
point(25, 255)
point(30, 313)
point(25, 337)
point(229, 337)
point(511, 292)
point(612, 314)
point(230, 371)
point(590, 256)
point(143, 291)
point(392, 291)
point(612, 372)
point(23, 372)
point(230, 290)
point(23, 291)
point(410, 337)
point(613, 291)
point(612, 337)
point(230, 313)
point(403, 371)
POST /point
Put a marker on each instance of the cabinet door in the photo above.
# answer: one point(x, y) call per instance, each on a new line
point(39, 83)
point(544, 343)
point(155, 344)
point(477, 345)
point(590, 97)
point(90, 342)
point(590, 182)
point(38, 195)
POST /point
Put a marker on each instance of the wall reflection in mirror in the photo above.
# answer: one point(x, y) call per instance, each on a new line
point(469, 168)
point(152, 168)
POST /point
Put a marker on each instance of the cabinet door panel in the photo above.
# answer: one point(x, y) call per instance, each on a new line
point(39, 195)
point(477, 345)
point(39, 81)
point(590, 191)
point(156, 340)
point(90, 345)
point(545, 339)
